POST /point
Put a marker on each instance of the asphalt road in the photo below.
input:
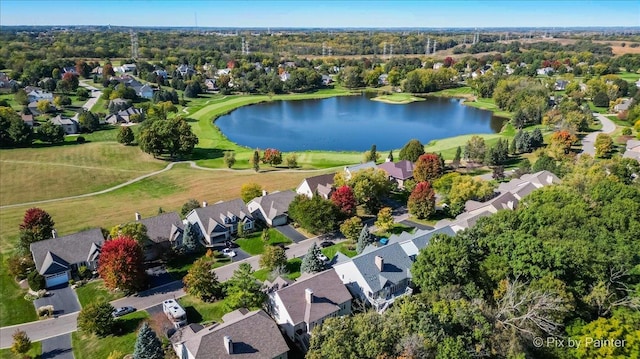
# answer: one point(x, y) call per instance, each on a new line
point(291, 233)
point(57, 347)
point(588, 142)
point(40, 330)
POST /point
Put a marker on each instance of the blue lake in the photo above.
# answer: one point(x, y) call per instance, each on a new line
point(352, 123)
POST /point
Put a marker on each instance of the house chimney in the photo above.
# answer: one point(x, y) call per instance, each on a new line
point(308, 295)
point(204, 204)
point(264, 193)
point(54, 233)
point(379, 263)
point(228, 344)
point(138, 216)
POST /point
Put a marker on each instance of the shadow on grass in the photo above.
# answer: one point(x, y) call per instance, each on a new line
point(293, 265)
point(206, 154)
point(128, 325)
point(193, 315)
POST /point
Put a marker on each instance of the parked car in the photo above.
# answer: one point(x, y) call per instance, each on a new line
point(326, 244)
point(229, 252)
point(323, 258)
point(123, 311)
point(230, 244)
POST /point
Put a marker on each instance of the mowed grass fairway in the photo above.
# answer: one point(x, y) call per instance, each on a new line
point(32, 174)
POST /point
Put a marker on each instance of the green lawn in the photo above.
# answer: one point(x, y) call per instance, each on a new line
point(464, 92)
point(629, 76)
point(490, 105)
point(397, 98)
point(203, 312)
point(343, 247)
point(180, 265)
point(14, 309)
point(594, 108)
point(34, 352)
point(293, 270)
point(396, 229)
point(95, 291)
point(91, 347)
point(254, 245)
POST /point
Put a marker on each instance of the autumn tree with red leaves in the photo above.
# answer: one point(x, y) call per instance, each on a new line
point(422, 201)
point(428, 167)
point(561, 142)
point(37, 225)
point(121, 265)
point(344, 198)
point(272, 156)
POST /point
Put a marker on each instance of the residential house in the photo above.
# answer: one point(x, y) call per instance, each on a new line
point(164, 231)
point(125, 68)
point(351, 170)
point(161, 72)
point(144, 91)
point(520, 187)
point(6, 84)
point(223, 72)
point(290, 64)
point(623, 106)
point(70, 70)
point(285, 76)
point(638, 84)
point(412, 243)
point(243, 334)
point(33, 107)
point(39, 94)
point(211, 84)
point(322, 185)
point(398, 172)
point(379, 275)
point(583, 87)
point(219, 221)
point(97, 71)
point(123, 116)
point(69, 125)
point(307, 303)
point(55, 258)
point(28, 119)
point(544, 71)
point(326, 80)
point(272, 208)
point(632, 150)
point(278, 283)
point(185, 70)
point(383, 79)
point(561, 85)
point(437, 65)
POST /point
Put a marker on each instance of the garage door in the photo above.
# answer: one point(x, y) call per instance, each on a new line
point(57, 279)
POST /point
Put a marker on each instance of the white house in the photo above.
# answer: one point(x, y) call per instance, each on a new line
point(126, 68)
point(307, 303)
point(55, 258)
point(272, 208)
point(322, 185)
point(219, 221)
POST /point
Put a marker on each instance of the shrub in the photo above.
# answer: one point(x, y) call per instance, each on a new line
point(626, 131)
point(20, 266)
point(80, 140)
point(83, 272)
point(45, 311)
point(36, 281)
point(96, 318)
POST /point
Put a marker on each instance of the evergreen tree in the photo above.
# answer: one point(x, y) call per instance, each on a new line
point(536, 138)
point(311, 263)
point(390, 157)
point(372, 154)
point(517, 142)
point(456, 158)
point(527, 143)
point(364, 239)
point(125, 135)
point(243, 291)
point(148, 345)
point(191, 238)
point(512, 147)
point(256, 160)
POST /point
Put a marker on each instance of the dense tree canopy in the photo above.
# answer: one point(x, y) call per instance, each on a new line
point(317, 215)
point(172, 136)
point(412, 150)
point(121, 264)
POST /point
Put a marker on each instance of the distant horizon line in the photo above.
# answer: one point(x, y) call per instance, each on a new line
point(327, 28)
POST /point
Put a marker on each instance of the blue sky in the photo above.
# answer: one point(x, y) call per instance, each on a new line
point(325, 13)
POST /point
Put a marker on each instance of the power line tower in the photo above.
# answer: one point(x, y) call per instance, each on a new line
point(384, 49)
point(391, 51)
point(324, 49)
point(134, 44)
point(435, 45)
point(428, 48)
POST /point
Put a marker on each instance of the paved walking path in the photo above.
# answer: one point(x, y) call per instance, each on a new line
point(588, 142)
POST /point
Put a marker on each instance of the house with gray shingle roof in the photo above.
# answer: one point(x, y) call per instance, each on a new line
point(322, 185)
point(351, 170)
point(378, 276)
point(305, 304)
point(272, 208)
point(243, 334)
point(398, 172)
point(123, 116)
point(632, 150)
point(69, 125)
point(219, 221)
point(624, 105)
point(55, 258)
point(164, 231)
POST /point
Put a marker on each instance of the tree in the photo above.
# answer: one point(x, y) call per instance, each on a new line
point(422, 201)
point(89, 121)
point(191, 238)
point(272, 156)
point(243, 291)
point(601, 99)
point(291, 160)
point(384, 221)
point(37, 225)
point(147, 346)
point(82, 93)
point(189, 206)
point(475, 150)
point(603, 145)
point(316, 214)
point(345, 200)
point(96, 318)
point(464, 188)
point(412, 150)
point(121, 265)
point(50, 133)
point(256, 160)
point(273, 257)
point(537, 140)
point(107, 70)
point(451, 348)
point(311, 262)
point(390, 156)
point(171, 136)
point(134, 230)
point(364, 239)
point(561, 142)
point(125, 135)
point(21, 343)
point(13, 131)
point(36, 281)
point(249, 191)
point(369, 187)
point(21, 97)
point(351, 228)
point(457, 157)
point(428, 167)
point(201, 281)
point(265, 236)
point(229, 158)
point(498, 173)
point(446, 260)
point(372, 154)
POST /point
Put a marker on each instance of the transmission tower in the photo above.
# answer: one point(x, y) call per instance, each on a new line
point(384, 49)
point(435, 44)
point(391, 51)
point(428, 46)
point(134, 44)
point(324, 49)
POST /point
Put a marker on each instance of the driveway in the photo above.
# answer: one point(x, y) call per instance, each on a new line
point(57, 347)
point(63, 299)
point(409, 223)
point(588, 142)
point(158, 276)
point(290, 232)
